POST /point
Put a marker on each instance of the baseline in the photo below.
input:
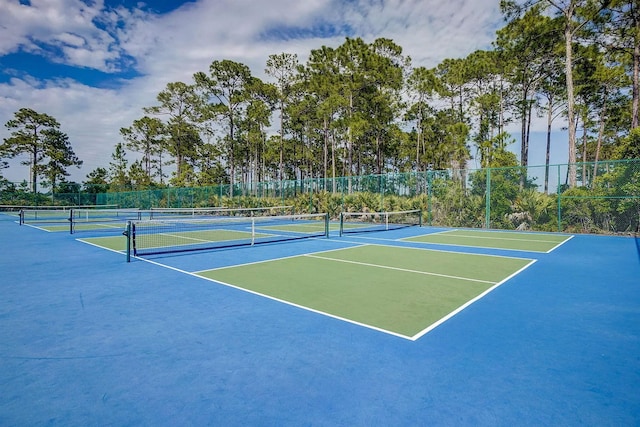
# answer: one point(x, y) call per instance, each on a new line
point(500, 239)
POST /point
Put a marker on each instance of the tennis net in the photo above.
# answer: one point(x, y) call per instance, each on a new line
point(43, 215)
point(115, 219)
point(162, 236)
point(364, 222)
point(101, 219)
point(206, 212)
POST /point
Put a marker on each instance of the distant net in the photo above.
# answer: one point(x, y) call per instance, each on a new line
point(51, 215)
point(101, 219)
point(364, 222)
point(161, 213)
point(54, 207)
point(163, 236)
point(116, 219)
point(44, 216)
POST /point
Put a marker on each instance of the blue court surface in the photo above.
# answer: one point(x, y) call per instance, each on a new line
point(89, 339)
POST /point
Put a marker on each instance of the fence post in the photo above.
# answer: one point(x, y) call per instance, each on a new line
point(488, 201)
point(559, 203)
point(382, 185)
point(429, 193)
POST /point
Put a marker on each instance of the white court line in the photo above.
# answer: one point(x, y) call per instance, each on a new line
point(401, 269)
point(280, 300)
point(494, 237)
point(94, 227)
point(313, 310)
point(406, 239)
point(460, 245)
point(40, 228)
point(560, 244)
point(380, 239)
point(286, 227)
point(123, 252)
point(243, 264)
point(179, 237)
point(410, 338)
point(467, 304)
point(103, 225)
point(428, 234)
point(432, 250)
point(273, 259)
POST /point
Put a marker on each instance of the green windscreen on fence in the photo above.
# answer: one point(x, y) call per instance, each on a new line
point(594, 197)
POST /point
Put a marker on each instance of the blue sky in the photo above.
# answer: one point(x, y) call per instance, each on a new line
point(94, 64)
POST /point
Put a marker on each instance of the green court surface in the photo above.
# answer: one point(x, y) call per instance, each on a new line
point(54, 227)
point(520, 241)
point(49, 226)
point(402, 291)
point(91, 226)
point(114, 243)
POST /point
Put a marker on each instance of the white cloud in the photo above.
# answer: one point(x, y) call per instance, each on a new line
point(70, 40)
point(173, 46)
point(430, 31)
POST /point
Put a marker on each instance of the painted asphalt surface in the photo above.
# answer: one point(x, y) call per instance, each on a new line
point(87, 339)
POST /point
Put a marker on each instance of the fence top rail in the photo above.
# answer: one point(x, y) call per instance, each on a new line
point(57, 207)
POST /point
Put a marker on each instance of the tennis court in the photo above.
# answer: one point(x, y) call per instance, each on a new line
point(72, 220)
point(402, 291)
point(399, 290)
point(375, 328)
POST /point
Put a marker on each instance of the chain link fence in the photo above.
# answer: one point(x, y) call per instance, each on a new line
point(605, 199)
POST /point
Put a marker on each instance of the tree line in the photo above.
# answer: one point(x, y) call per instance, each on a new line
point(362, 108)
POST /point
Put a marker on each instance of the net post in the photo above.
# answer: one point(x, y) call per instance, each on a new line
point(21, 217)
point(341, 223)
point(386, 221)
point(253, 230)
point(419, 217)
point(70, 221)
point(326, 225)
point(127, 233)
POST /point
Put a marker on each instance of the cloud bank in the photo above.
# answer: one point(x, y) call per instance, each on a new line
point(95, 66)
